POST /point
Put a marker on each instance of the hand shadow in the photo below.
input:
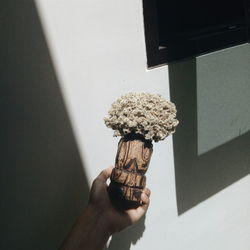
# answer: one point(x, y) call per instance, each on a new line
point(123, 240)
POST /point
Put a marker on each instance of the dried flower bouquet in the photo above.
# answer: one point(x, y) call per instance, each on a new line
point(139, 118)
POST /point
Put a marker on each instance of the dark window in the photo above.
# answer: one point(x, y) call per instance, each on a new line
point(187, 28)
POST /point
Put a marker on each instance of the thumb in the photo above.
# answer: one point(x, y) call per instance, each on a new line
point(105, 174)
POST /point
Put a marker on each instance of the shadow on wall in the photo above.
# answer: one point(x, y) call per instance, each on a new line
point(200, 176)
point(43, 186)
point(124, 239)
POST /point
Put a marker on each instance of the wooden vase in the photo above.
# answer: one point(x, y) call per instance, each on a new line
point(128, 177)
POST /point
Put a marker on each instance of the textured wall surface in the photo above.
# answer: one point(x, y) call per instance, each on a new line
point(73, 59)
point(223, 96)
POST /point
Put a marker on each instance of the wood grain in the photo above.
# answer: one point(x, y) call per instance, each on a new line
point(132, 160)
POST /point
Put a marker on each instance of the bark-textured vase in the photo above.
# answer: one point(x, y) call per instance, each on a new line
point(128, 177)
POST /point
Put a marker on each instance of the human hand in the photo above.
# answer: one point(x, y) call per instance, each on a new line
point(99, 220)
point(114, 220)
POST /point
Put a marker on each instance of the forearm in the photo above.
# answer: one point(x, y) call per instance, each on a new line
point(89, 232)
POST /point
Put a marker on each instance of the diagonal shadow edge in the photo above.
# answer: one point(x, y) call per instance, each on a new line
point(43, 183)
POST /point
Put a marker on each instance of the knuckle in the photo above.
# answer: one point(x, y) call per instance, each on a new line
point(147, 192)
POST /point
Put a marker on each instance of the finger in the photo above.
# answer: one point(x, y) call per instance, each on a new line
point(105, 174)
point(145, 200)
point(141, 210)
point(147, 192)
point(136, 214)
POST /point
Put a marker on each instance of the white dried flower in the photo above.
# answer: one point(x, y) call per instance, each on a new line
point(142, 113)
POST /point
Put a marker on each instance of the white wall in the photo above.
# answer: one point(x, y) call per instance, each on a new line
point(98, 51)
